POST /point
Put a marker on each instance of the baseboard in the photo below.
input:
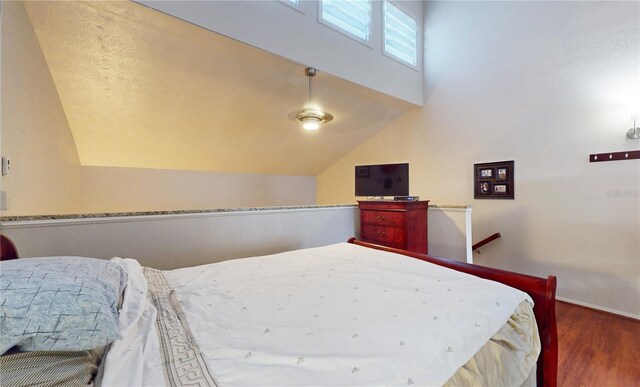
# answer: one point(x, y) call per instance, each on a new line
point(600, 308)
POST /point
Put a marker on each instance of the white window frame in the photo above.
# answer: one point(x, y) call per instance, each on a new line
point(347, 33)
point(295, 6)
point(417, 66)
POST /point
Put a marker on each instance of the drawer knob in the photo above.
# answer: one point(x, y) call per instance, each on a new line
point(380, 217)
point(382, 233)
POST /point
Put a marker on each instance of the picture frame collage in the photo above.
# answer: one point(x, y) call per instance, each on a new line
point(494, 180)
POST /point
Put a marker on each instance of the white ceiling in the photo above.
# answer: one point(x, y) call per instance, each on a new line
point(142, 89)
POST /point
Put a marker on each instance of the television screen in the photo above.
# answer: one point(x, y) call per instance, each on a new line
point(382, 180)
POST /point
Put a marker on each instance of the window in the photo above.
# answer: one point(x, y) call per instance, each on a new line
point(295, 4)
point(400, 35)
point(352, 17)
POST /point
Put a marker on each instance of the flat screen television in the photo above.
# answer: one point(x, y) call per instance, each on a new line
point(382, 180)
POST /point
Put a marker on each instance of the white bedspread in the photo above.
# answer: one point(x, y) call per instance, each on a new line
point(336, 315)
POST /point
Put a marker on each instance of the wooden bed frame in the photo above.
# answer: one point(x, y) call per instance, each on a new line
point(542, 291)
point(7, 249)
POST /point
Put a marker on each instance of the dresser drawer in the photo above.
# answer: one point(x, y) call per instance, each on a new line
point(388, 236)
point(395, 223)
point(383, 218)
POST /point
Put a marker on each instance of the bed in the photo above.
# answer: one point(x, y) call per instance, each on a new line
point(345, 314)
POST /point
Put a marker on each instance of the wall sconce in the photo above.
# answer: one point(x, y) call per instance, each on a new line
point(634, 132)
point(634, 110)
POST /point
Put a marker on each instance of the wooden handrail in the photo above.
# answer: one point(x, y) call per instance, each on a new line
point(486, 240)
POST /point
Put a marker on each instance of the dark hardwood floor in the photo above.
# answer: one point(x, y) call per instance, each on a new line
point(596, 348)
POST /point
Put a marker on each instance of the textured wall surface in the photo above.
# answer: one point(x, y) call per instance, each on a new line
point(132, 189)
point(544, 84)
point(274, 27)
point(45, 169)
point(46, 175)
point(141, 89)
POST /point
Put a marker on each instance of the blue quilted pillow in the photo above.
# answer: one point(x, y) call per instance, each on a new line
point(59, 303)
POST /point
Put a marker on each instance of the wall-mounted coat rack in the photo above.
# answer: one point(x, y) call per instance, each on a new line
point(614, 156)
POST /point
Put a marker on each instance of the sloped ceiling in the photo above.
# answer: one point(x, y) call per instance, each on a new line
point(142, 89)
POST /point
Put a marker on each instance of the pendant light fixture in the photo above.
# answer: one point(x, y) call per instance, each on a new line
point(311, 117)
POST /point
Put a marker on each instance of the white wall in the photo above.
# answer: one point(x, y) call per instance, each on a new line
point(106, 189)
point(172, 241)
point(544, 84)
point(282, 30)
point(450, 233)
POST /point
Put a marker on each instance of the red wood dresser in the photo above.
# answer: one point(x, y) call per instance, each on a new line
point(397, 224)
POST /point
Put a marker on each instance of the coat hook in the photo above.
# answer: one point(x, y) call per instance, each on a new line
point(613, 156)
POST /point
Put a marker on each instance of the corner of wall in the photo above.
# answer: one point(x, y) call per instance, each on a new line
point(335, 185)
point(44, 177)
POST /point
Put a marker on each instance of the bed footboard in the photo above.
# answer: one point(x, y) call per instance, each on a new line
point(542, 291)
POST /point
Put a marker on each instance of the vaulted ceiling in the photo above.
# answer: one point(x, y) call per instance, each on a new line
point(143, 89)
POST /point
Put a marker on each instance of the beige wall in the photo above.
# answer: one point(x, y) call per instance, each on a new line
point(544, 84)
point(45, 170)
point(133, 189)
point(46, 175)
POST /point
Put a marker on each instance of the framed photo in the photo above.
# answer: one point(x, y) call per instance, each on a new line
point(494, 180)
point(502, 174)
point(500, 188)
point(486, 173)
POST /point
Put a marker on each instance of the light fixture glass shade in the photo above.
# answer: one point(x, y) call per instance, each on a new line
point(310, 123)
point(311, 119)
